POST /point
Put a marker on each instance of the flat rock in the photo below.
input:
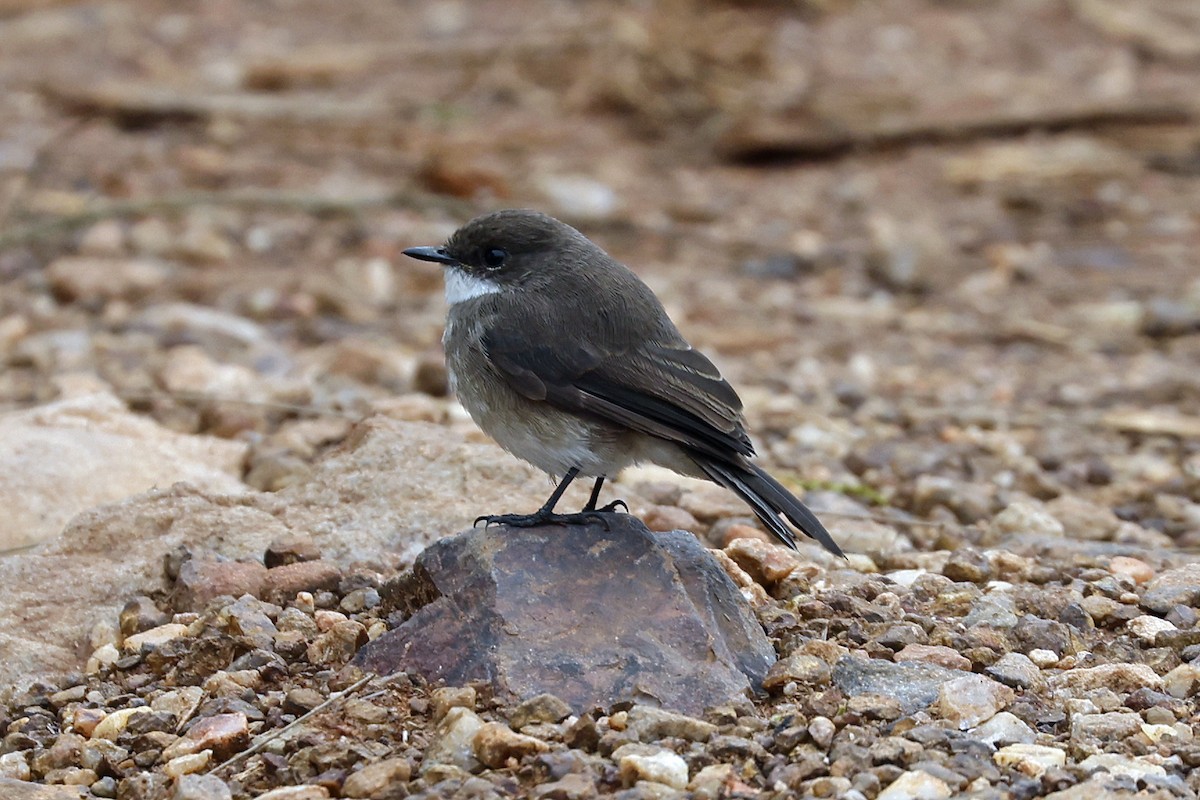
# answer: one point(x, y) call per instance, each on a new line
point(21, 790)
point(390, 487)
point(591, 615)
point(74, 454)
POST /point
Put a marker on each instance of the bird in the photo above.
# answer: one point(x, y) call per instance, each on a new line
point(568, 360)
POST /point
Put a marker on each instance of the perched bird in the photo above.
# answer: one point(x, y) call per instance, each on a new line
point(564, 357)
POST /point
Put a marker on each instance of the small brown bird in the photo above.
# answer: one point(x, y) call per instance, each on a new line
point(564, 357)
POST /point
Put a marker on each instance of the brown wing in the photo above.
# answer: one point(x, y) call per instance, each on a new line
point(666, 389)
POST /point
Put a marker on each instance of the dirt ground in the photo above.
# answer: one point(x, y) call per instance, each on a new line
point(947, 252)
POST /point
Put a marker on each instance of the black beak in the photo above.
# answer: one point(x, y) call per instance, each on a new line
point(435, 254)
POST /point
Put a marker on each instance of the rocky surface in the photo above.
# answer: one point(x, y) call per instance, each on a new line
point(945, 252)
point(596, 615)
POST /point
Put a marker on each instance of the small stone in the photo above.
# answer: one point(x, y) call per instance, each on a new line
point(582, 734)
point(1026, 518)
point(650, 724)
point(104, 656)
point(934, 654)
point(669, 518)
point(767, 563)
point(658, 766)
point(916, 785)
point(302, 699)
point(224, 734)
point(822, 729)
point(1176, 587)
point(1043, 658)
point(291, 549)
point(82, 278)
point(282, 583)
point(495, 743)
point(1107, 727)
point(155, 637)
point(1146, 628)
point(296, 793)
point(375, 779)
point(187, 764)
point(141, 614)
point(1120, 678)
point(539, 708)
point(1030, 759)
point(202, 579)
point(1129, 567)
point(1183, 681)
point(967, 564)
point(179, 703)
point(74, 694)
point(972, 699)
point(1004, 729)
point(452, 740)
point(571, 786)
point(801, 668)
point(1116, 764)
point(15, 766)
point(115, 723)
point(710, 782)
point(337, 645)
point(1016, 670)
point(86, 720)
point(448, 697)
point(201, 787)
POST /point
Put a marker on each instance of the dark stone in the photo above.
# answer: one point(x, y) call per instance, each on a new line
point(913, 684)
point(591, 615)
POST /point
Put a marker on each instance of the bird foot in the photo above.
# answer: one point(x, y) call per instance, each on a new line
point(612, 507)
point(549, 518)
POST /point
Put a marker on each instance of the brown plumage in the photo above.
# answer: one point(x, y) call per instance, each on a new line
point(568, 360)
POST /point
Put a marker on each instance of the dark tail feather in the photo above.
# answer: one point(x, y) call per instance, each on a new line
point(769, 499)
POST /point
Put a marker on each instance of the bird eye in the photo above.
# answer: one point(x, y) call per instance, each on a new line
point(494, 257)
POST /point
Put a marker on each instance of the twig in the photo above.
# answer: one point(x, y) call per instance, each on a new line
point(759, 140)
point(267, 738)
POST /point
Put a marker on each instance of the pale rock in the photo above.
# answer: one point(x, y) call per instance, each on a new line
point(348, 507)
point(201, 787)
point(103, 656)
point(495, 743)
point(1183, 681)
point(1026, 517)
point(972, 699)
point(180, 703)
point(933, 654)
point(1016, 670)
point(653, 765)
point(88, 278)
point(710, 781)
point(916, 785)
point(579, 197)
point(187, 764)
point(84, 720)
point(201, 322)
point(822, 730)
point(115, 723)
point(1120, 678)
point(1106, 727)
point(1116, 764)
point(155, 637)
point(1129, 567)
point(1179, 586)
point(71, 455)
point(1145, 628)
point(1156, 733)
point(1043, 658)
point(296, 793)
point(1005, 729)
point(14, 765)
point(650, 724)
point(223, 734)
point(374, 779)
point(1030, 759)
point(453, 741)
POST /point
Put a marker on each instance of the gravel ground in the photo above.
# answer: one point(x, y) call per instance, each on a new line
point(946, 252)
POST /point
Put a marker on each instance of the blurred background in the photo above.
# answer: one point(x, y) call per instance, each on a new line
point(945, 250)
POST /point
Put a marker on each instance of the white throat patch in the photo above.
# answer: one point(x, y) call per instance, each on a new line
point(462, 286)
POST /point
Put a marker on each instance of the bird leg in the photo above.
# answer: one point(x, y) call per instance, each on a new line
point(608, 509)
point(546, 516)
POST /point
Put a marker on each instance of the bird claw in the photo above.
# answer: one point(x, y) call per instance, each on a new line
point(550, 518)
